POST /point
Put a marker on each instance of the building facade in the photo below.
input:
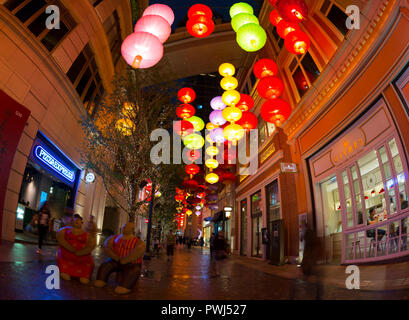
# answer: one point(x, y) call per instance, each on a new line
point(58, 75)
point(347, 135)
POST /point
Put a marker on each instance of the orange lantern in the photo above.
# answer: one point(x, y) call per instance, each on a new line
point(275, 111)
point(265, 68)
point(186, 95)
point(297, 42)
point(185, 111)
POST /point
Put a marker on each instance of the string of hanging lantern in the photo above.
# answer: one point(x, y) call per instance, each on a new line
point(286, 17)
point(144, 47)
point(200, 23)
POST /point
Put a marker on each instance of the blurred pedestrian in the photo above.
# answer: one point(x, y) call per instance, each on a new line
point(170, 244)
point(44, 218)
point(220, 251)
point(211, 243)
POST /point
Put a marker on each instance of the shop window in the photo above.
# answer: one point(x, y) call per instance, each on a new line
point(331, 206)
point(304, 71)
point(256, 224)
point(113, 31)
point(243, 227)
point(32, 15)
point(265, 130)
point(85, 77)
point(335, 13)
point(278, 42)
point(273, 202)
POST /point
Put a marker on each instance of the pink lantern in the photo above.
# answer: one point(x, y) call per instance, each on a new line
point(142, 50)
point(162, 10)
point(216, 117)
point(217, 103)
point(156, 25)
point(217, 135)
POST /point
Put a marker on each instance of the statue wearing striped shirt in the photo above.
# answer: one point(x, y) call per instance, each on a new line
point(125, 253)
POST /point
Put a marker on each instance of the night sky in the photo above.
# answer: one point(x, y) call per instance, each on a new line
point(219, 8)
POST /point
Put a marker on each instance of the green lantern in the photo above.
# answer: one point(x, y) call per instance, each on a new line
point(197, 122)
point(242, 19)
point(240, 7)
point(193, 141)
point(251, 37)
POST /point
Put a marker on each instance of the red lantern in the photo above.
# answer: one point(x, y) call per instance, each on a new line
point(246, 102)
point(297, 42)
point(228, 177)
point(265, 68)
point(273, 2)
point(248, 121)
point(155, 25)
point(179, 197)
point(186, 95)
point(285, 27)
point(183, 128)
point(192, 169)
point(199, 10)
point(301, 81)
point(193, 155)
point(185, 111)
point(275, 111)
point(270, 88)
point(292, 10)
point(275, 18)
point(200, 26)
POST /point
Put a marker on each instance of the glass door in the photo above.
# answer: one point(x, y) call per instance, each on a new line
point(243, 227)
point(273, 210)
point(256, 224)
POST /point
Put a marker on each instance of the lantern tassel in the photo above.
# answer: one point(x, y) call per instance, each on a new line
point(137, 62)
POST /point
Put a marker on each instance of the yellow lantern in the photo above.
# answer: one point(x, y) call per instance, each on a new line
point(227, 70)
point(231, 97)
point(232, 114)
point(193, 141)
point(212, 178)
point(210, 126)
point(197, 122)
point(189, 212)
point(233, 132)
point(212, 151)
point(125, 126)
point(128, 110)
point(209, 139)
point(212, 163)
point(229, 83)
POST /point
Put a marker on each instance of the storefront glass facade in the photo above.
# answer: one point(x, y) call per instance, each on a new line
point(256, 224)
point(243, 227)
point(360, 189)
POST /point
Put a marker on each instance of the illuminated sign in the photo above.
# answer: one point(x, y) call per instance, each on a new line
point(45, 157)
point(90, 177)
point(289, 167)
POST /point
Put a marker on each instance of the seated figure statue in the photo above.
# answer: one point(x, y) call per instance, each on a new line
point(125, 253)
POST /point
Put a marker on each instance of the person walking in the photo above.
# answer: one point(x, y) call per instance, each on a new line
point(220, 251)
point(211, 244)
point(44, 218)
point(170, 244)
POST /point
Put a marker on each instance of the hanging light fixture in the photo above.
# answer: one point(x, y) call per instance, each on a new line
point(193, 141)
point(248, 121)
point(232, 114)
point(275, 17)
point(212, 151)
point(275, 111)
point(155, 25)
point(197, 122)
point(297, 42)
point(160, 10)
point(193, 155)
point(285, 27)
point(240, 7)
point(293, 10)
point(212, 178)
point(216, 117)
point(251, 37)
point(199, 10)
point(246, 102)
point(212, 163)
point(183, 128)
point(241, 19)
point(270, 87)
point(231, 97)
point(185, 111)
point(227, 69)
point(265, 68)
point(217, 135)
point(217, 103)
point(229, 83)
point(233, 132)
point(200, 26)
point(210, 126)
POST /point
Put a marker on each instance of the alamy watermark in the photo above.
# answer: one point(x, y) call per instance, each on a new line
point(52, 21)
point(352, 282)
point(354, 19)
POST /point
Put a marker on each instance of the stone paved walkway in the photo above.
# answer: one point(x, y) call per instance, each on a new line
point(188, 277)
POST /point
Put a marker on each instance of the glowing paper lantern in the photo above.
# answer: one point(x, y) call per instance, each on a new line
point(229, 83)
point(212, 151)
point(216, 117)
point(212, 163)
point(197, 122)
point(210, 126)
point(275, 111)
point(200, 26)
point(198, 213)
point(275, 17)
point(189, 212)
point(193, 141)
point(209, 139)
point(240, 7)
point(227, 69)
point(270, 88)
point(217, 103)
point(231, 97)
point(292, 10)
point(193, 155)
point(297, 42)
point(155, 25)
point(232, 114)
point(186, 95)
point(212, 178)
point(142, 50)
point(248, 121)
point(192, 169)
point(233, 132)
point(125, 126)
point(241, 19)
point(265, 68)
point(301, 81)
point(217, 135)
point(199, 10)
point(160, 10)
point(185, 111)
point(183, 128)
point(251, 37)
point(285, 27)
point(246, 102)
